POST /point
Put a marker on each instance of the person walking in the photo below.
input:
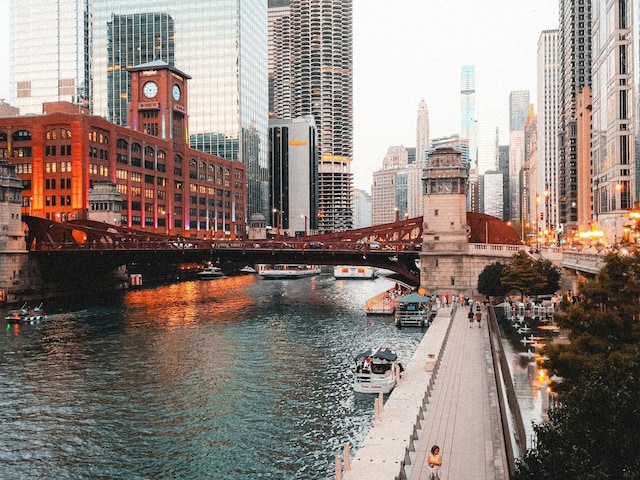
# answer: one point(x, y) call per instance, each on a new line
point(434, 460)
point(470, 317)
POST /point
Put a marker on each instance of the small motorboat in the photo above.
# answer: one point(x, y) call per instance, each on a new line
point(210, 271)
point(26, 314)
point(376, 371)
point(247, 269)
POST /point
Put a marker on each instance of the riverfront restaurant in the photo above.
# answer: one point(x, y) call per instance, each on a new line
point(166, 187)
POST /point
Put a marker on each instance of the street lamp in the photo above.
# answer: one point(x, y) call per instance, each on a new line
point(306, 222)
point(537, 224)
point(278, 218)
point(397, 210)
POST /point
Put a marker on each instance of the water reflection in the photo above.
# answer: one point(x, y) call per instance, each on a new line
point(229, 378)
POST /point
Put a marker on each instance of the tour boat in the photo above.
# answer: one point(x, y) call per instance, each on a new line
point(287, 270)
point(376, 371)
point(349, 272)
point(413, 310)
point(210, 271)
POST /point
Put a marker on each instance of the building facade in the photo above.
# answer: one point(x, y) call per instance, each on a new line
point(614, 110)
point(422, 132)
point(166, 187)
point(468, 111)
point(547, 178)
point(51, 53)
point(315, 77)
point(293, 174)
point(574, 56)
point(518, 111)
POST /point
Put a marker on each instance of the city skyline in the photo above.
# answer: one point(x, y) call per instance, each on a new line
point(412, 48)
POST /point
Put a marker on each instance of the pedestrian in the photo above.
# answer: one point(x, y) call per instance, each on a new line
point(470, 317)
point(435, 462)
point(478, 318)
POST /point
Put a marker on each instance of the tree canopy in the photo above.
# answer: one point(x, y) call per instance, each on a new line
point(522, 274)
point(595, 431)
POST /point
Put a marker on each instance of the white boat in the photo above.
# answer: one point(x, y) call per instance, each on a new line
point(247, 269)
point(26, 314)
point(376, 371)
point(287, 270)
point(210, 271)
point(350, 272)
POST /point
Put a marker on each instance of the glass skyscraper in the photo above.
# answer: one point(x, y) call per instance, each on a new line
point(222, 45)
point(50, 53)
point(468, 113)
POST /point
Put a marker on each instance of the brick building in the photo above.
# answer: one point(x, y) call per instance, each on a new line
point(166, 186)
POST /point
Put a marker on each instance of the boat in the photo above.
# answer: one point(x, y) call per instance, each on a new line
point(26, 314)
point(413, 310)
point(287, 270)
point(247, 269)
point(210, 271)
point(376, 371)
point(350, 272)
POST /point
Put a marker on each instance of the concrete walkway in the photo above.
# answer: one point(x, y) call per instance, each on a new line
point(462, 415)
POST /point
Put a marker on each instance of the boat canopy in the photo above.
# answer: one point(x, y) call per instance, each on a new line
point(381, 353)
point(413, 298)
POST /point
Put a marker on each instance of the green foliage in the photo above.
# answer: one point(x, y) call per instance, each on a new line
point(596, 431)
point(552, 275)
point(521, 275)
point(489, 280)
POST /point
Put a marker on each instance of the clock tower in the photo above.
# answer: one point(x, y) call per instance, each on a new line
point(159, 101)
point(445, 237)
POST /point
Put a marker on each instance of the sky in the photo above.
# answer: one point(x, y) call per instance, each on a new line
point(407, 50)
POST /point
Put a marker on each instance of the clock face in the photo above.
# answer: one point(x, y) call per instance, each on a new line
point(150, 89)
point(176, 92)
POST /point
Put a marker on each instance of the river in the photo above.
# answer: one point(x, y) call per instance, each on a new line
point(233, 378)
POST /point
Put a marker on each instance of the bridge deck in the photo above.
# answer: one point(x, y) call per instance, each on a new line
point(462, 416)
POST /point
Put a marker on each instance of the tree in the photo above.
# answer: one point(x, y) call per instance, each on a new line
point(595, 433)
point(605, 325)
point(489, 280)
point(521, 275)
point(551, 273)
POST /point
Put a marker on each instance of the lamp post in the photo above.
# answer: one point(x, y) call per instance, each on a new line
point(278, 219)
point(306, 222)
point(536, 223)
point(397, 214)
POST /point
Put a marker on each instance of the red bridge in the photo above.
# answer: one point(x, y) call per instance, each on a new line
point(83, 248)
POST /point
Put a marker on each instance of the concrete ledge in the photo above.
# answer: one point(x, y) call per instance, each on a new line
point(388, 445)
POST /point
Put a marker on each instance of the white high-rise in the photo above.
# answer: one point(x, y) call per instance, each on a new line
point(468, 112)
point(518, 111)
point(547, 129)
point(422, 132)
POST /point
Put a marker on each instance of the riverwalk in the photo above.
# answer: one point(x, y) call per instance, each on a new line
point(447, 397)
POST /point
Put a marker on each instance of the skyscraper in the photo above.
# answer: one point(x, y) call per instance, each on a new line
point(518, 111)
point(574, 55)
point(422, 132)
point(50, 53)
point(315, 44)
point(468, 113)
point(224, 48)
point(615, 106)
point(547, 130)
point(134, 40)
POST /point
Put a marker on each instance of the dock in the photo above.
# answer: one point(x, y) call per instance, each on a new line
point(385, 303)
point(447, 397)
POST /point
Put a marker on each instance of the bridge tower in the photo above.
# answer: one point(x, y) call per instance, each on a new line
point(445, 238)
point(15, 267)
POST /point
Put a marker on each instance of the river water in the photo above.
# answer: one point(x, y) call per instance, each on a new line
point(234, 378)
